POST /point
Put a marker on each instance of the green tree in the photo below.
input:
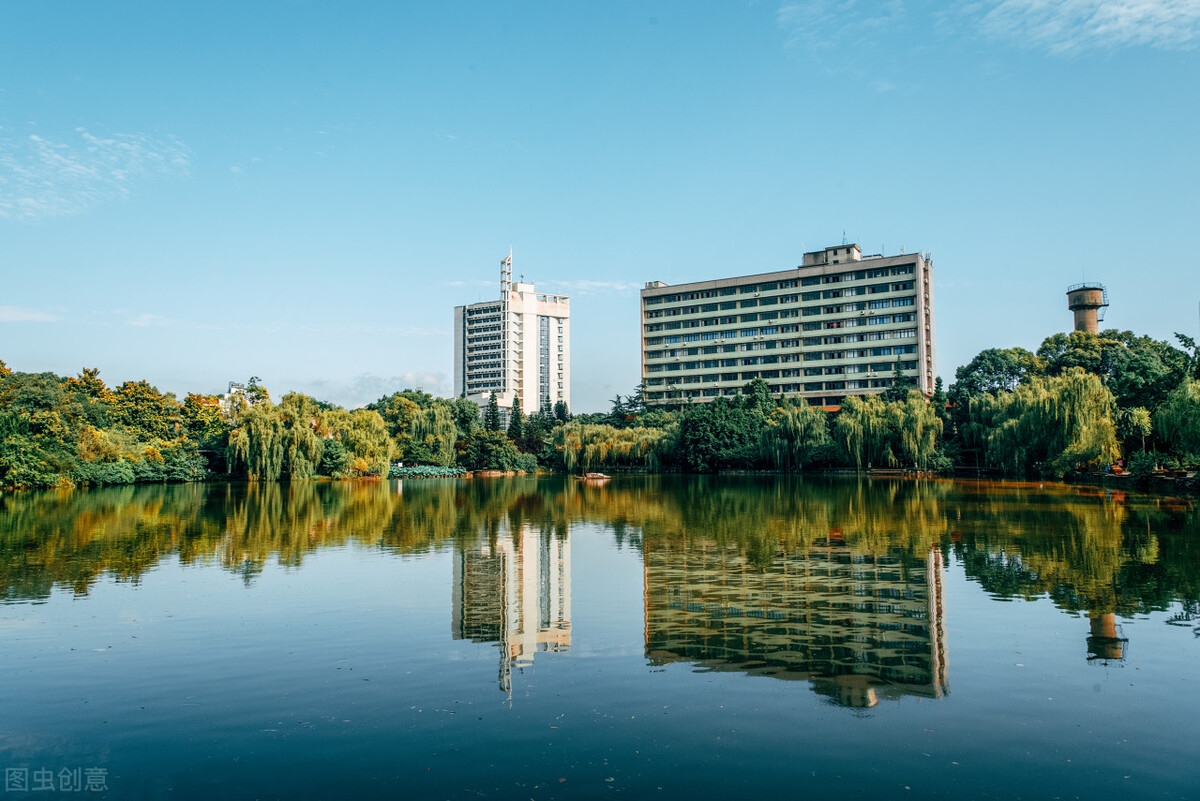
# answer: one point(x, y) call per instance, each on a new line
point(794, 435)
point(917, 429)
point(466, 416)
point(1052, 424)
point(588, 447)
point(256, 444)
point(719, 435)
point(995, 370)
point(900, 385)
point(516, 420)
point(433, 434)
point(141, 407)
point(365, 436)
point(334, 459)
point(561, 412)
point(1134, 423)
point(756, 395)
point(862, 429)
point(490, 450)
point(491, 415)
point(256, 392)
point(1177, 420)
point(202, 420)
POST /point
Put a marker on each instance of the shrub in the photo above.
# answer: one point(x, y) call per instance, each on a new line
point(1141, 466)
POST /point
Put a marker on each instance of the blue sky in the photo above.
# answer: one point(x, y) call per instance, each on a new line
point(197, 193)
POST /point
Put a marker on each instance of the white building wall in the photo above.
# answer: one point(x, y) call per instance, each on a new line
point(521, 352)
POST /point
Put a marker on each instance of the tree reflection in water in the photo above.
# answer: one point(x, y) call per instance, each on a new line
point(833, 580)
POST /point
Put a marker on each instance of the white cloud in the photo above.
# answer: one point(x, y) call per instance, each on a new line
point(144, 320)
point(584, 287)
point(42, 178)
point(829, 23)
point(368, 387)
point(1070, 26)
point(15, 314)
point(1059, 27)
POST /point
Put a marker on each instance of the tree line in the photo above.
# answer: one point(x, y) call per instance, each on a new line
point(1081, 400)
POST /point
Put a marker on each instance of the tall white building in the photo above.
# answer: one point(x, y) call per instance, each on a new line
point(518, 347)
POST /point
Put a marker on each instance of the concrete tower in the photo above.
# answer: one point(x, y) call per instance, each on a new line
point(1088, 301)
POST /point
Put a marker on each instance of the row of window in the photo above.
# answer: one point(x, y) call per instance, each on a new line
point(654, 314)
point(748, 289)
point(860, 353)
point(836, 339)
point(864, 309)
point(773, 344)
point(752, 361)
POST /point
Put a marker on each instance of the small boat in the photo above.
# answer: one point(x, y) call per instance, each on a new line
point(596, 477)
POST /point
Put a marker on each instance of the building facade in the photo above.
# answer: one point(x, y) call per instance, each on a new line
point(837, 325)
point(518, 346)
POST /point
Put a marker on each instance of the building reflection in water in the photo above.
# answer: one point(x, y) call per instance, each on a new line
point(514, 590)
point(1105, 643)
point(857, 625)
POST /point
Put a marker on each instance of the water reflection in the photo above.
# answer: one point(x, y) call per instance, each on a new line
point(514, 589)
point(854, 623)
point(838, 582)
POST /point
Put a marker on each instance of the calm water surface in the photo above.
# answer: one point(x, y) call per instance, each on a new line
point(649, 638)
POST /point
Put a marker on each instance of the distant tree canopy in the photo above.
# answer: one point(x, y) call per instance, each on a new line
point(1080, 401)
point(58, 431)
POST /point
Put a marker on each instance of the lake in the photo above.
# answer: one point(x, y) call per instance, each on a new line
point(650, 637)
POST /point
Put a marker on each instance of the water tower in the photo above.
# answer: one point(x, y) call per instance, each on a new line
point(1088, 301)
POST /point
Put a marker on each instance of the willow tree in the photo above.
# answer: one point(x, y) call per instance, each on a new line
point(861, 430)
point(303, 441)
point(793, 436)
point(271, 441)
point(585, 447)
point(1054, 424)
point(364, 434)
point(433, 432)
point(916, 429)
point(1178, 418)
point(257, 443)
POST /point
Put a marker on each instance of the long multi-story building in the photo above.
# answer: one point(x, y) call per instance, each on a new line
point(518, 347)
point(837, 325)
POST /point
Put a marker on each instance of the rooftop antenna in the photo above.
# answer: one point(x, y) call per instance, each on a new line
point(505, 291)
point(843, 236)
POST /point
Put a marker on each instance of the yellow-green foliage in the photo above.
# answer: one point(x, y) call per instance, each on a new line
point(365, 435)
point(589, 447)
point(917, 429)
point(1050, 424)
point(862, 428)
point(434, 428)
point(876, 433)
point(793, 435)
